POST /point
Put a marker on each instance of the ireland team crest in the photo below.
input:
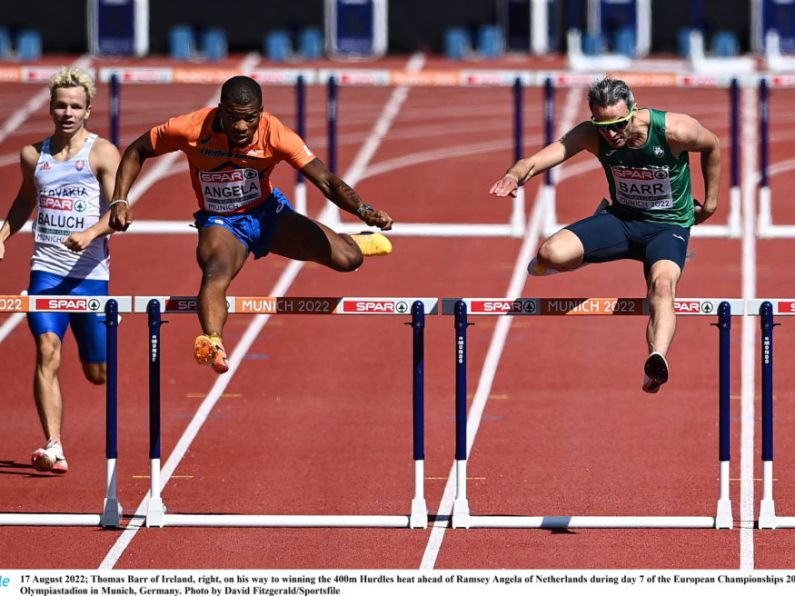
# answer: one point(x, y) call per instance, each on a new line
point(80, 164)
point(658, 151)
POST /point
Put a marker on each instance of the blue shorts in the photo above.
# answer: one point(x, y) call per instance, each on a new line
point(88, 328)
point(254, 229)
point(607, 237)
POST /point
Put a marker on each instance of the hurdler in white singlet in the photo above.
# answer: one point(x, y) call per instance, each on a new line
point(68, 200)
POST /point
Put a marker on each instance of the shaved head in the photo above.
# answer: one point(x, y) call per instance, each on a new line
point(241, 91)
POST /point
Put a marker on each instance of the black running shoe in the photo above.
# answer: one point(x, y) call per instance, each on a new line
point(656, 369)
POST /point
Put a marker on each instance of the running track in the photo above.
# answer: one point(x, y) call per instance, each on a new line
point(316, 417)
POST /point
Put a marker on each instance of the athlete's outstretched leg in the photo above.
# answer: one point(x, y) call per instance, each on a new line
point(662, 279)
point(220, 256)
point(303, 239)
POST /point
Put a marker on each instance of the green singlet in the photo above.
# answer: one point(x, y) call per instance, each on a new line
point(648, 183)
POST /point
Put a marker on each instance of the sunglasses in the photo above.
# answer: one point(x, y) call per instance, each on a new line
point(616, 124)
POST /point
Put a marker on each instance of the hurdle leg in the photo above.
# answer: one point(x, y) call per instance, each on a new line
point(461, 505)
point(419, 508)
point(111, 508)
point(723, 517)
point(767, 509)
point(155, 510)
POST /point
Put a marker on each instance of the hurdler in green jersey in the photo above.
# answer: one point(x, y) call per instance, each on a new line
point(645, 156)
point(649, 182)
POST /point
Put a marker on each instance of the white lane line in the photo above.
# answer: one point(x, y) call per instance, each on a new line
point(748, 352)
point(498, 338)
point(352, 177)
point(9, 325)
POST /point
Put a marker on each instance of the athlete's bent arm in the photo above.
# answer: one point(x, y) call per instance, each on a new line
point(581, 137)
point(343, 196)
point(25, 201)
point(687, 134)
point(105, 161)
point(131, 163)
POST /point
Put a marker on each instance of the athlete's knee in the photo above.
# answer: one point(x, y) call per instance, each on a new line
point(346, 256)
point(556, 254)
point(217, 270)
point(350, 261)
point(48, 351)
point(95, 372)
point(661, 287)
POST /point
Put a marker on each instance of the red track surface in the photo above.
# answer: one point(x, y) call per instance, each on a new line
point(317, 418)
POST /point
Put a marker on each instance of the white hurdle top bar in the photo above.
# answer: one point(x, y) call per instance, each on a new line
point(295, 305)
point(76, 304)
point(586, 306)
point(781, 306)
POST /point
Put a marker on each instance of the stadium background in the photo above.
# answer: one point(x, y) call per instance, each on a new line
point(413, 24)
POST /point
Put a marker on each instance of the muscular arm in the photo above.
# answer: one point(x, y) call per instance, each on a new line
point(581, 137)
point(25, 201)
point(129, 168)
point(687, 134)
point(104, 160)
point(343, 196)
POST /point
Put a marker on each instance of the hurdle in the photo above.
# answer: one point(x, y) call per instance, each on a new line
point(111, 508)
point(460, 307)
point(765, 226)
point(766, 309)
point(154, 306)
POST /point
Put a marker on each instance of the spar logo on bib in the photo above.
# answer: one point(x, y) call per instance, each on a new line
point(230, 190)
point(643, 188)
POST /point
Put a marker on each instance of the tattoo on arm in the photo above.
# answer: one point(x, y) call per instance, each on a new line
point(341, 191)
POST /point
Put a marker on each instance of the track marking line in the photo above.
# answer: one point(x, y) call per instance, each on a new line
point(747, 355)
point(494, 353)
point(385, 120)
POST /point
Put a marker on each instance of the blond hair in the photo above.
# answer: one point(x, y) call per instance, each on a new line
point(73, 77)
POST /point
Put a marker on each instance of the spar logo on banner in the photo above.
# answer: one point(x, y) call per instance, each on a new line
point(62, 304)
point(693, 307)
point(182, 304)
point(785, 307)
point(376, 307)
point(518, 306)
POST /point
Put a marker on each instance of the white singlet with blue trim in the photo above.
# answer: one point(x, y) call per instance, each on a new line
point(68, 200)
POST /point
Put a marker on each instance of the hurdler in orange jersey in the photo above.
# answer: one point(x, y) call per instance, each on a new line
point(227, 178)
point(232, 150)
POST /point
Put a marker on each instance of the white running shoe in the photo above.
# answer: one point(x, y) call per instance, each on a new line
point(50, 458)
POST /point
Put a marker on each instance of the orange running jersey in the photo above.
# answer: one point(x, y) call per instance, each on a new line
point(228, 180)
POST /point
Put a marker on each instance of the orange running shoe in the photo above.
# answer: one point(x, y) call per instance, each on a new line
point(208, 349)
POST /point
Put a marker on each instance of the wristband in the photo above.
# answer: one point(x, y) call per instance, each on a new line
point(362, 208)
point(117, 201)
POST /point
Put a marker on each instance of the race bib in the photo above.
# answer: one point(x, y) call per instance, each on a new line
point(61, 212)
point(230, 190)
point(643, 188)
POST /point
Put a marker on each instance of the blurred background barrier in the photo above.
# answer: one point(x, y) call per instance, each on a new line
point(350, 29)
